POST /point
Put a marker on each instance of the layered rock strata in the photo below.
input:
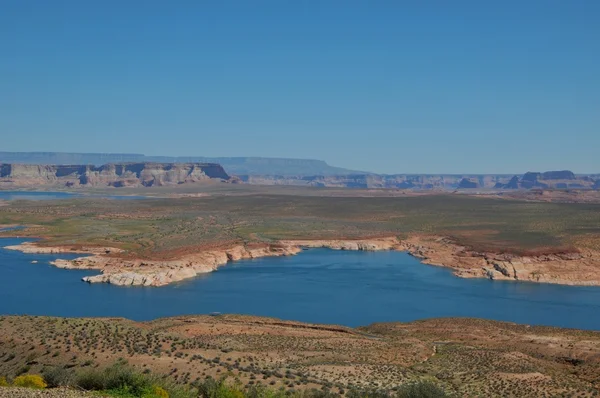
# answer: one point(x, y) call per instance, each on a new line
point(116, 174)
point(569, 268)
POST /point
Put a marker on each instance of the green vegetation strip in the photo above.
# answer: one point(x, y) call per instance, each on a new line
point(121, 380)
point(153, 227)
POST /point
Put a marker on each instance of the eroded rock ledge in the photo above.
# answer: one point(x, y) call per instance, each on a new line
point(573, 268)
point(582, 268)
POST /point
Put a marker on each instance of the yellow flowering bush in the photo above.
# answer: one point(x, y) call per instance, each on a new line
point(30, 381)
point(160, 392)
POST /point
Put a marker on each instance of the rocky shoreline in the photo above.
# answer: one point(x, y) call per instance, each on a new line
point(581, 268)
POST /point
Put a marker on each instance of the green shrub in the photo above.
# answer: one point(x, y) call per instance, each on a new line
point(30, 381)
point(90, 380)
point(58, 376)
point(22, 370)
point(421, 389)
point(372, 393)
point(212, 388)
point(121, 380)
point(159, 392)
point(3, 382)
point(122, 377)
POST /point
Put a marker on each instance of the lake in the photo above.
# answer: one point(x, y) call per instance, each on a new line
point(320, 285)
point(40, 195)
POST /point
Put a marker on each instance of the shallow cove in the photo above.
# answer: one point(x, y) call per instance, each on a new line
point(318, 285)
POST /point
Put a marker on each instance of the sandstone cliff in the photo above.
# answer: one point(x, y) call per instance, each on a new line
point(117, 174)
point(138, 272)
point(572, 268)
point(233, 165)
point(548, 180)
point(562, 179)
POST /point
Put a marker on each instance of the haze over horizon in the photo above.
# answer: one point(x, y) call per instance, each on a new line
point(428, 87)
point(178, 159)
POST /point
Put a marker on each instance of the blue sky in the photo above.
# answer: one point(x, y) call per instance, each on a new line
point(385, 86)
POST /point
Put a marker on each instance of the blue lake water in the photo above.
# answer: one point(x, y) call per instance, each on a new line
point(40, 195)
point(322, 286)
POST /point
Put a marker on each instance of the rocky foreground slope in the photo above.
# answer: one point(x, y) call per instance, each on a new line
point(467, 357)
point(114, 174)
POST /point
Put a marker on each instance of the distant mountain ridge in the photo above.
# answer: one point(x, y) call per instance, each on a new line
point(233, 165)
point(552, 179)
point(306, 172)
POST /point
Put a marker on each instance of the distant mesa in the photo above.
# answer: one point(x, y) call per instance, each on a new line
point(121, 170)
point(512, 184)
point(467, 183)
point(562, 179)
point(443, 182)
point(113, 174)
point(558, 175)
point(232, 165)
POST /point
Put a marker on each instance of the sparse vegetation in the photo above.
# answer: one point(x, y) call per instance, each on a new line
point(460, 357)
point(58, 376)
point(167, 228)
point(120, 380)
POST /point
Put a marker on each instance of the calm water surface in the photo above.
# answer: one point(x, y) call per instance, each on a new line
point(39, 195)
point(323, 286)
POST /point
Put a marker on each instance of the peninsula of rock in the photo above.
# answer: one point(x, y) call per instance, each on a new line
point(581, 267)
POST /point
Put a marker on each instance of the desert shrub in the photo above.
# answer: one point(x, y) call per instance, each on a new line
point(211, 388)
point(30, 381)
point(118, 377)
point(3, 382)
point(122, 377)
point(159, 392)
point(10, 357)
point(58, 376)
point(121, 380)
point(256, 391)
point(421, 389)
point(22, 370)
point(314, 393)
point(370, 393)
point(90, 380)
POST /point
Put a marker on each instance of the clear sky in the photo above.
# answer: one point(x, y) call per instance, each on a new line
point(386, 86)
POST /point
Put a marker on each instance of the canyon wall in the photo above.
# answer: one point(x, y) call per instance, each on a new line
point(232, 165)
point(115, 174)
point(548, 180)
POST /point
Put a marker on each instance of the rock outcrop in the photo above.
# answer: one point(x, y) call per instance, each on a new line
point(116, 175)
point(233, 165)
point(139, 272)
point(569, 268)
point(467, 183)
point(563, 179)
point(530, 180)
point(375, 244)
